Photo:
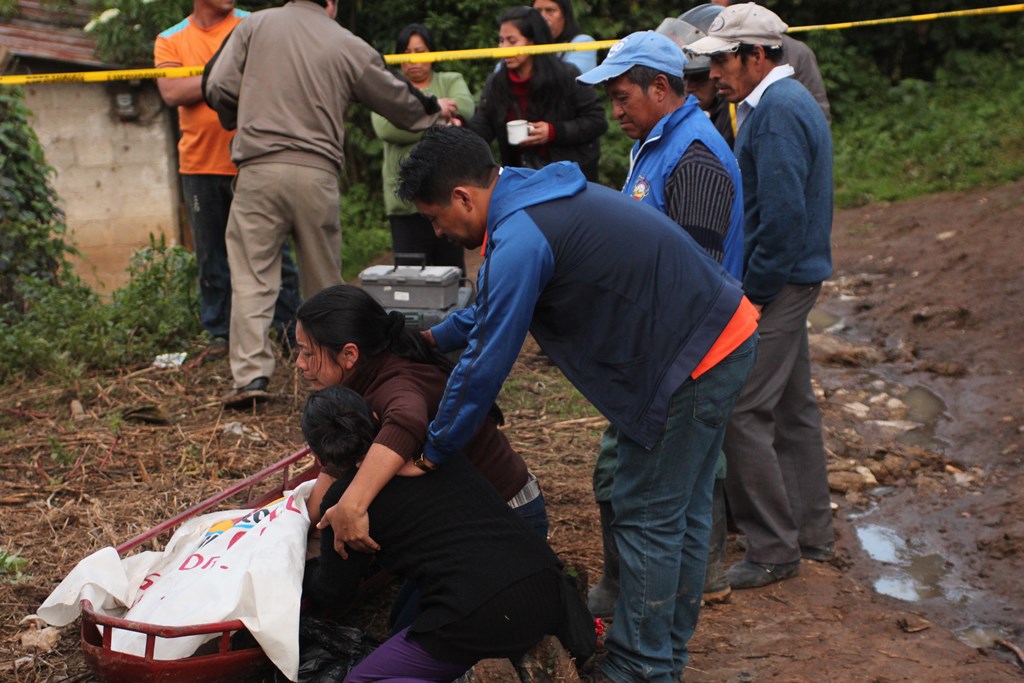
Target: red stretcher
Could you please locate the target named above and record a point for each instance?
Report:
(227, 663)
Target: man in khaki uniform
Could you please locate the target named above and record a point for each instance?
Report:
(284, 79)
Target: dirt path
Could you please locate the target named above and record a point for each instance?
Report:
(921, 312)
(924, 306)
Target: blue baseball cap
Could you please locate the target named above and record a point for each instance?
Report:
(643, 48)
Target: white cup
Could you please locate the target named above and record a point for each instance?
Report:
(518, 131)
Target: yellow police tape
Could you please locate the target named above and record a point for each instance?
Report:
(479, 53)
(1004, 9)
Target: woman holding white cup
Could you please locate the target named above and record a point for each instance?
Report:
(533, 105)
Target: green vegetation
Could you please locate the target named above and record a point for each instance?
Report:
(959, 131)
(545, 392)
(917, 108)
(63, 327)
(32, 243)
(11, 565)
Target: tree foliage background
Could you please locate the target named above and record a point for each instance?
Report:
(917, 107)
(857, 63)
(860, 65)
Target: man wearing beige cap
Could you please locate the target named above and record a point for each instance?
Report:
(777, 483)
(798, 56)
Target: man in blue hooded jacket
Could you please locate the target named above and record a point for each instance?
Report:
(639, 318)
(682, 167)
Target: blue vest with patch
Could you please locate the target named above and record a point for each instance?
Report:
(652, 162)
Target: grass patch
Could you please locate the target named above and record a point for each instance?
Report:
(64, 328)
(539, 390)
(956, 133)
(365, 233)
(11, 565)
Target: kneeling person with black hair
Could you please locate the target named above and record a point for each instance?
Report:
(490, 587)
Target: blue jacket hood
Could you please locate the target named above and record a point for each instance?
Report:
(521, 188)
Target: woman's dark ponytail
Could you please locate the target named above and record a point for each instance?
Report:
(345, 314)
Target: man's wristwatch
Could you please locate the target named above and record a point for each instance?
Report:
(424, 464)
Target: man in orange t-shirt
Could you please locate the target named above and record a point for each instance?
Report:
(207, 171)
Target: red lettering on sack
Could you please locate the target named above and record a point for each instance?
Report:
(149, 581)
(290, 505)
(235, 539)
(185, 565)
(146, 583)
(199, 562)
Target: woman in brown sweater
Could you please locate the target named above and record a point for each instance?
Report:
(345, 337)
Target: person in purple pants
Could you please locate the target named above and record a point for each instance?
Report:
(490, 587)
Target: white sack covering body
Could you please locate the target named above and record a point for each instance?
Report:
(236, 564)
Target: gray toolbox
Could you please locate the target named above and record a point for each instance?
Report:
(425, 295)
(412, 286)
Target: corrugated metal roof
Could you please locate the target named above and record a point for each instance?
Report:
(42, 33)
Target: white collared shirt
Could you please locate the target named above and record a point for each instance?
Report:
(744, 108)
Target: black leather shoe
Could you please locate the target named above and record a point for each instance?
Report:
(818, 553)
(245, 397)
(746, 574)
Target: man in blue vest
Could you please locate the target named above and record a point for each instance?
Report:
(681, 166)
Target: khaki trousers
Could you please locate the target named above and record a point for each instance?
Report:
(272, 202)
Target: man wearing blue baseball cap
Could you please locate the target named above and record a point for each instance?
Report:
(681, 166)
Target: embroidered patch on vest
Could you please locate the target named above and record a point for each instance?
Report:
(641, 189)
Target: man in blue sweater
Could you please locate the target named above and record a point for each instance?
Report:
(639, 318)
(777, 483)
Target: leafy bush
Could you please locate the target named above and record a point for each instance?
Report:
(63, 327)
(960, 131)
(11, 565)
(365, 232)
(125, 29)
(32, 230)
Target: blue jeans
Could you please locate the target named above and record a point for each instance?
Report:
(209, 201)
(662, 503)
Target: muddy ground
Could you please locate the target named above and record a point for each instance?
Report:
(918, 361)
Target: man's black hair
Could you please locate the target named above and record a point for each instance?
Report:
(445, 157)
(644, 76)
(773, 53)
(338, 425)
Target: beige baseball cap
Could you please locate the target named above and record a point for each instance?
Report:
(746, 23)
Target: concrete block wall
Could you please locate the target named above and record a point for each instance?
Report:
(117, 180)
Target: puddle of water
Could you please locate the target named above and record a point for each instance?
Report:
(881, 543)
(924, 407)
(911, 572)
(822, 321)
(981, 636)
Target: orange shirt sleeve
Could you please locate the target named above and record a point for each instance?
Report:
(742, 324)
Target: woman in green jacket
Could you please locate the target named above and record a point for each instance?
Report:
(410, 232)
